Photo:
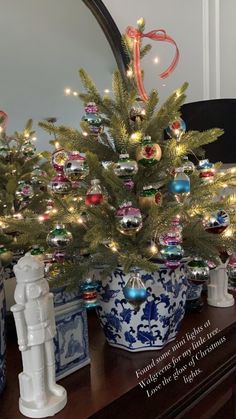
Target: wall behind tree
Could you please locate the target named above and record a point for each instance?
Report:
(205, 33)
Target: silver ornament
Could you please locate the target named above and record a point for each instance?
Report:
(76, 167)
(138, 110)
(125, 167)
(197, 271)
(128, 219)
(24, 191)
(60, 184)
(59, 237)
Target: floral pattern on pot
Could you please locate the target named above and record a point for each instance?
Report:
(159, 318)
(2, 333)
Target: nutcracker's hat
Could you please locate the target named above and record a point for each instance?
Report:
(28, 269)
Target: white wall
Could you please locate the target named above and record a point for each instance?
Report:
(205, 33)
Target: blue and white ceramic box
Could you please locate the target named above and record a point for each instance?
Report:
(71, 340)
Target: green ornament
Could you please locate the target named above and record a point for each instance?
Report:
(5, 255)
(149, 153)
(59, 237)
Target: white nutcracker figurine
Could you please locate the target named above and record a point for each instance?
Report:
(218, 295)
(34, 316)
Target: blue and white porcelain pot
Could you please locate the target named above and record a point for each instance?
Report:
(2, 333)
(158, 320)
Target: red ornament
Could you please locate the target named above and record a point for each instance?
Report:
(95, 194)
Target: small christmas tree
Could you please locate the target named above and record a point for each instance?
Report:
(126, 187)
(23, 174)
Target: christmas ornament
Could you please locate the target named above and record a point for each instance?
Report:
(128, 184)
(150, 196)
(232, 269)
(93, 119)
(60, 184)
(125, 167)
(135, 291)
(4, 152)
(149, 153)
(38, 252)
(49, 204)
(176, 129)
(197, 271)
(24, 191)
(217, 222)
(37, 175)
(3, 120)
(5, 255)
(206, 169)
(156, 35)
(95, 195)
(76, 166)
(176, 221)
(137, 111)
(59, 237)
(128, 219)
(187, 166)
(172, 255)
(28, 149)
(59, 158)
(180, 186)
(89, 293)
(59, 256)
(171, 237)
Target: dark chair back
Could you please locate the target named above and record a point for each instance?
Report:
(217, 113)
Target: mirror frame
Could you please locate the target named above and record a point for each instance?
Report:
(112, 33)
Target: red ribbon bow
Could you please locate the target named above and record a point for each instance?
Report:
(156, 35)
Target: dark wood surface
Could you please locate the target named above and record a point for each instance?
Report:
(108, 388)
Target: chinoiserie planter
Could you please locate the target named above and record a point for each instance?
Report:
(159, 318)
(71, 340)
(2, 333)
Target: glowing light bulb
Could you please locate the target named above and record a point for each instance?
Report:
(85, 134)
(1, 129)
(228, 232)
(75, 93)
(107, 91)
(57, 145)
(129, 73)
(34, 138)
(80, 220)
(140, 21)
(40, 218)
(153, 248)
(67, 91)
(71, 209)
(54, 211)
(156, 60)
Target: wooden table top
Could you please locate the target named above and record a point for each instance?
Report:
(108, 388)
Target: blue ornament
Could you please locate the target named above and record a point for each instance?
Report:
(89, 293)
(172, 255)
(135, 291)
(206, 169)
(180, 186)
(176, 128)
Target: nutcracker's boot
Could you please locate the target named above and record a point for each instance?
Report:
(51, 374)
(38, 376)
(39, 388)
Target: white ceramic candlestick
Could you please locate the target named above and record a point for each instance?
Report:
(218, 295)
(34, 316)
